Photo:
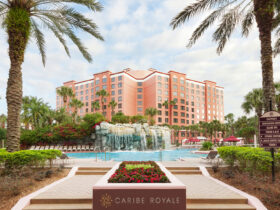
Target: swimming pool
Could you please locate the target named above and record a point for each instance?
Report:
(167, 155)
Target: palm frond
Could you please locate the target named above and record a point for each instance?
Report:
(276, 48)
(247, 22)
(194, 9)
(40, 40)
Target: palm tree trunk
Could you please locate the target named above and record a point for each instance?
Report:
(264, 14)
(18, 32)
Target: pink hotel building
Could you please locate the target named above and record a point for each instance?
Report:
(136, 90)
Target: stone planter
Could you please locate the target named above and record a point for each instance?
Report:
(148, 196)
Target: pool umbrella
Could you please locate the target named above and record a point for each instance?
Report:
(231, 139)
(193, 140)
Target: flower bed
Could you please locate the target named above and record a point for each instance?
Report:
(138, 172)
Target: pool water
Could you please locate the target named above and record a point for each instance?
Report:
(167, 155)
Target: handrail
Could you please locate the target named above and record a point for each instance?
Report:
(105, 151)
(95, 148)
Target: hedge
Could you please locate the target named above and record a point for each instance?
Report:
(27, 158)
(247, 158)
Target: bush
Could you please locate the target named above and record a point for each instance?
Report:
(3, 133)
(27, 158)
(120, 118)
(207, 145)
(249, 159)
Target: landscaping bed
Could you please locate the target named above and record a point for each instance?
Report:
(16, 184)
(138, 172)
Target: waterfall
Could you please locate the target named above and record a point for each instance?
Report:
(166, 137)
(155, 139)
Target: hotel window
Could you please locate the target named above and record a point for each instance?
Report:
(81, 111)
(192, 85)
(166, 93)
(113, 79)
(113, 86)
(197, 86)
(86, 103)
(166, 113)
(192, 109)
(139, 96)
(175, 99)
(175, 93)
(104, 87)
(97, 82)
(182, 81)
(76, 94)
(81, 99)
(187, 97)
(159, 119)
(113, 93)
(92, 84)
(175, 79)
(76, 88)
(104, 79)
(175, 107)
(160, 99)
(182, 108)
(192, 91)
(91, 97)
(86, 97)
(197, 92)
(182, 114)
(166, 120)
(82, 86)
(119, 92)
(139, 83)
(119, 106)
(166, 86)
(187, 109)
(198, 98)
(86, 110)
(188, 123)
(175, 120)
(139, 109)
(192, 116)
(192, 103)
(187, 115)
(119, 98)
(159, 77)
(139, 90)
(159, 92)
(119, 84)
(183, 121)
(82, 92)
(97, 89)
(159, 112)
(86, 91)
(182, 95)
(192, 98)
(175, 87)
(139, 103)
(192, 123)
(182, 88)
(187, 84)
(119, 78)
(166, 79)
(159, 105)
(87, 85)
(112, 99)
(175, 113)
(182, 101)
(187, 103)
(159, 85)
(92, 90)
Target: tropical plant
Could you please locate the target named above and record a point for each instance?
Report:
(229, 118)
(120, 118)
(65, 93)
(61, 116)
(254, 102)
(113, 105)
(23, 19)
(207, 145)
(76, 104)
(151, 112)
(172, 103)
(230, 13)
(95, 105)
(195, 129)
(103, 94)
(3, 120)
(138, 119)
(165, 104)
(176, 129)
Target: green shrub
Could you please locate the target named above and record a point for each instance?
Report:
(207, 145)
(3, 133)
(120, 118)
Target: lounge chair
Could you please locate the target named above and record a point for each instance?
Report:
(65, 148)
(51, 147)
(57, 147)
(211, 156)
(87, 147)
(83, 147)
(32, 147)
(47, 147)
(91, 148)
(74, 148)
(37, 148)
(70, 149)
(60, 147)
(42, 147)
(79, 148)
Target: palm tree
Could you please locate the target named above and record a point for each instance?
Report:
(95, 105)
(113, 105)
(151, 112)
(165, 104)
(61, 116)
(65, 92)
(24, 19)
(3, 119)
(229, 118)
(277, 96)
(171, 103)
(76, 104)
(230, 13)
(103, 94)
(254, 101)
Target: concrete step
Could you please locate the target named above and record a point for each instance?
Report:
(219, 207)
(182, 168)
(61, 201)
(90, 172)
(94, 168)
(59, 207)
(187, 172)
(217, 201)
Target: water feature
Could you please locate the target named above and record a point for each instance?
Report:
(131, 137)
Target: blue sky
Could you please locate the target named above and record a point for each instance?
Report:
(138, 36)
